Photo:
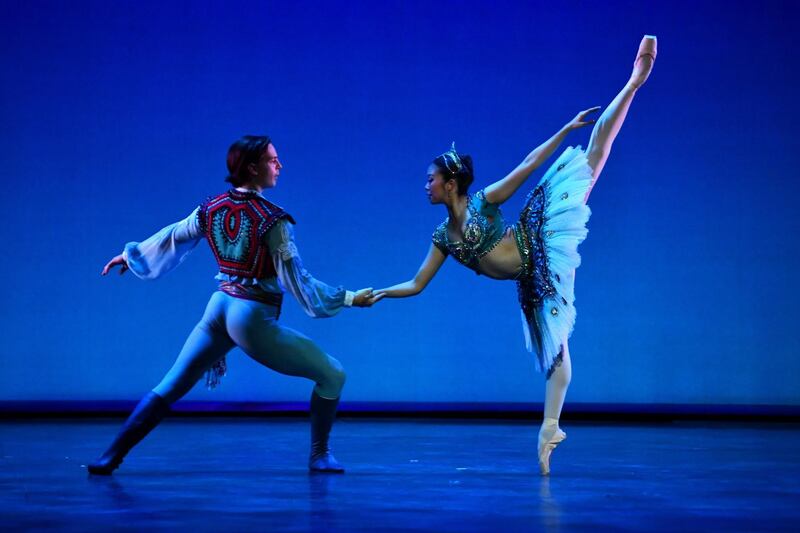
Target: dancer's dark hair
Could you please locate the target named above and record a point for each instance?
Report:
(456, 166)
(242, 153)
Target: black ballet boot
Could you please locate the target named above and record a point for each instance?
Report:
(323, 412)
(147, 414)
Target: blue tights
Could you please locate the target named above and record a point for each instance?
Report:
(252, 326)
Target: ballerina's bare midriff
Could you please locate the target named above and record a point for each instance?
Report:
(503, 261)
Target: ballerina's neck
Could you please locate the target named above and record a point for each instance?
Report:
(458, 211)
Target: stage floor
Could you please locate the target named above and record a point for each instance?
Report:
(249, 474)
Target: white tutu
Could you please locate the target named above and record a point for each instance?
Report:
(551, 226)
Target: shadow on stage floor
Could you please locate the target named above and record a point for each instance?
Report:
(249, 474)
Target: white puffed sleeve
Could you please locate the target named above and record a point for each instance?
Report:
(317, 299)
(159, 254)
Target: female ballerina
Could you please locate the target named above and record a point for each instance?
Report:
(253, 242)
(540, 250)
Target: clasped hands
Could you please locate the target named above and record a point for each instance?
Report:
(366, 297)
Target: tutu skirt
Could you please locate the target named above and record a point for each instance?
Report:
(550, 228)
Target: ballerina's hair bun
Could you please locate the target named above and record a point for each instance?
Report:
(456, 166)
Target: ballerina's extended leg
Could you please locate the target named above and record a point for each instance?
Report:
(610, 121)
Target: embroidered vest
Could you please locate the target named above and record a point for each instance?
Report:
(235, 224)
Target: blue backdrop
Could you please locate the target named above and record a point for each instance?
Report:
(116, 117)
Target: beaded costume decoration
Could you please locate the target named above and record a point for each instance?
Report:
(234, 224)
(483, 232)
(536, 283)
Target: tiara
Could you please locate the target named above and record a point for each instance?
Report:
(451, 159)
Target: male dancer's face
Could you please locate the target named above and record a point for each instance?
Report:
(268, 169)
(434, 187)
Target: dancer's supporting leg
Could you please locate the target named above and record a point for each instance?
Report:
(550, 435)
(207, 343)
(610, 121)
(290, 352)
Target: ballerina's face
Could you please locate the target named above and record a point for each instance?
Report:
(267, 169)
(436, 187)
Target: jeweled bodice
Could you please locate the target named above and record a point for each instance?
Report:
(483, 232)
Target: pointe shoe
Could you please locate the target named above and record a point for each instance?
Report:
(549, 438)
(645, 58)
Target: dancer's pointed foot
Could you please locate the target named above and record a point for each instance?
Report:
(643, 64)
(325, 462)
(550, 436)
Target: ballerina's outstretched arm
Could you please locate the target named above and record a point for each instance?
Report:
(500, 191)
(430, 266)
